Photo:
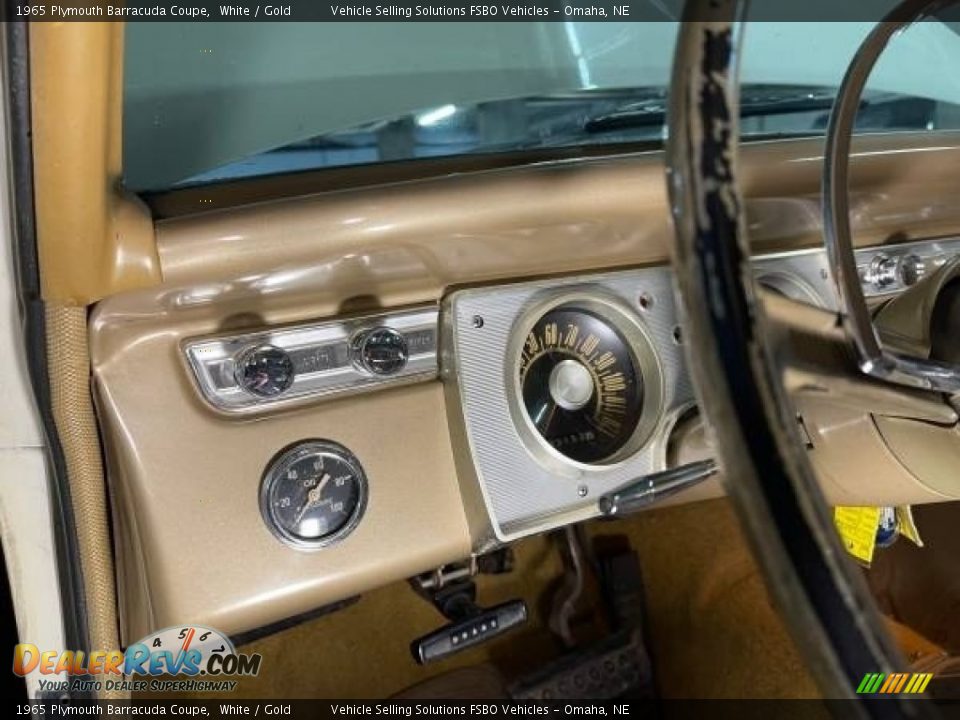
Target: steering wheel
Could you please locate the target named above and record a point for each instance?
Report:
(738, 364)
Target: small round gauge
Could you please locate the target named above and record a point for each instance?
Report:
(581, 384)
(265, 371)
(313, 494)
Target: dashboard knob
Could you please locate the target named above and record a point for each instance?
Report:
(883, 271)
(912, 269)
(265, 370)
(380, 351)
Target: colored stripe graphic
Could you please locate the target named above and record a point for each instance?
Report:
(914, 683)
(870, 683)
(894, 684)
(903, 681)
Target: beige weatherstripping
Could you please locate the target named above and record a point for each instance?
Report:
(68, 366)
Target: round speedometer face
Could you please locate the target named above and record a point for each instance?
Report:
(580, 383)
(313, 493)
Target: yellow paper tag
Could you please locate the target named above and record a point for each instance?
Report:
(858, 530)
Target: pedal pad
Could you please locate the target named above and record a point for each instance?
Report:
(473, 630)
(617, 667)
(622, 583)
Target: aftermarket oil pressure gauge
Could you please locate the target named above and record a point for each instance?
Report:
(313, 494)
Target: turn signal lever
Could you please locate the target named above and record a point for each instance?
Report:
(649, 489)
(470, 624)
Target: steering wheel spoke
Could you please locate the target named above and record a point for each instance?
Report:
(873, 357)
(815, 358)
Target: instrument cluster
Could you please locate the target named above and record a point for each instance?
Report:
(562, 390)
(558, 391)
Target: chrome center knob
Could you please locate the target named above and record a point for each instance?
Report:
(883, 271)
(571, 385)
(913, 269)
(380, 351)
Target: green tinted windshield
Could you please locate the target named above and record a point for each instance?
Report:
(212, 101)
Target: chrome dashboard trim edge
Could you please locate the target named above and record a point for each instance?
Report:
(812, 270)
(322, 356)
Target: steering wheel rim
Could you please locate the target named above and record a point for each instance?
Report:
(770, 480)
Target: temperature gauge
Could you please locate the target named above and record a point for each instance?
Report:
(313, 494)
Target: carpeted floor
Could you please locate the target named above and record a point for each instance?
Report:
(713, 632)
(920, 587)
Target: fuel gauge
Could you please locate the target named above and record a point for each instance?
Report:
(313, 494)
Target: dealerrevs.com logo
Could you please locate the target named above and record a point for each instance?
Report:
(206, 657)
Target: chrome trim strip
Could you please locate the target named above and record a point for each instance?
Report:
(323, 361)
(811, 270)
(326, 369)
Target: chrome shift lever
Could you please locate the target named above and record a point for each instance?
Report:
(649, 489)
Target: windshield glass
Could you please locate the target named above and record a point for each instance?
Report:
(206, 102)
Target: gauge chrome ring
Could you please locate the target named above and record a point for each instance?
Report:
(289, 456)
(642, 351)
(279, 383)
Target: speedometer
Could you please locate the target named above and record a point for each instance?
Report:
(585, 372)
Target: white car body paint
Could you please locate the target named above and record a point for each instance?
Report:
(26, 520)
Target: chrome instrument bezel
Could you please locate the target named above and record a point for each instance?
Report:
(807, 275)
(641, 349)
(241, 359)
(323, 357)
(290, 455)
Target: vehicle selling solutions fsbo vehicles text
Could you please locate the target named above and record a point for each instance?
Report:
(485, 11)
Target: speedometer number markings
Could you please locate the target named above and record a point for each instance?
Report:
(580, 384)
